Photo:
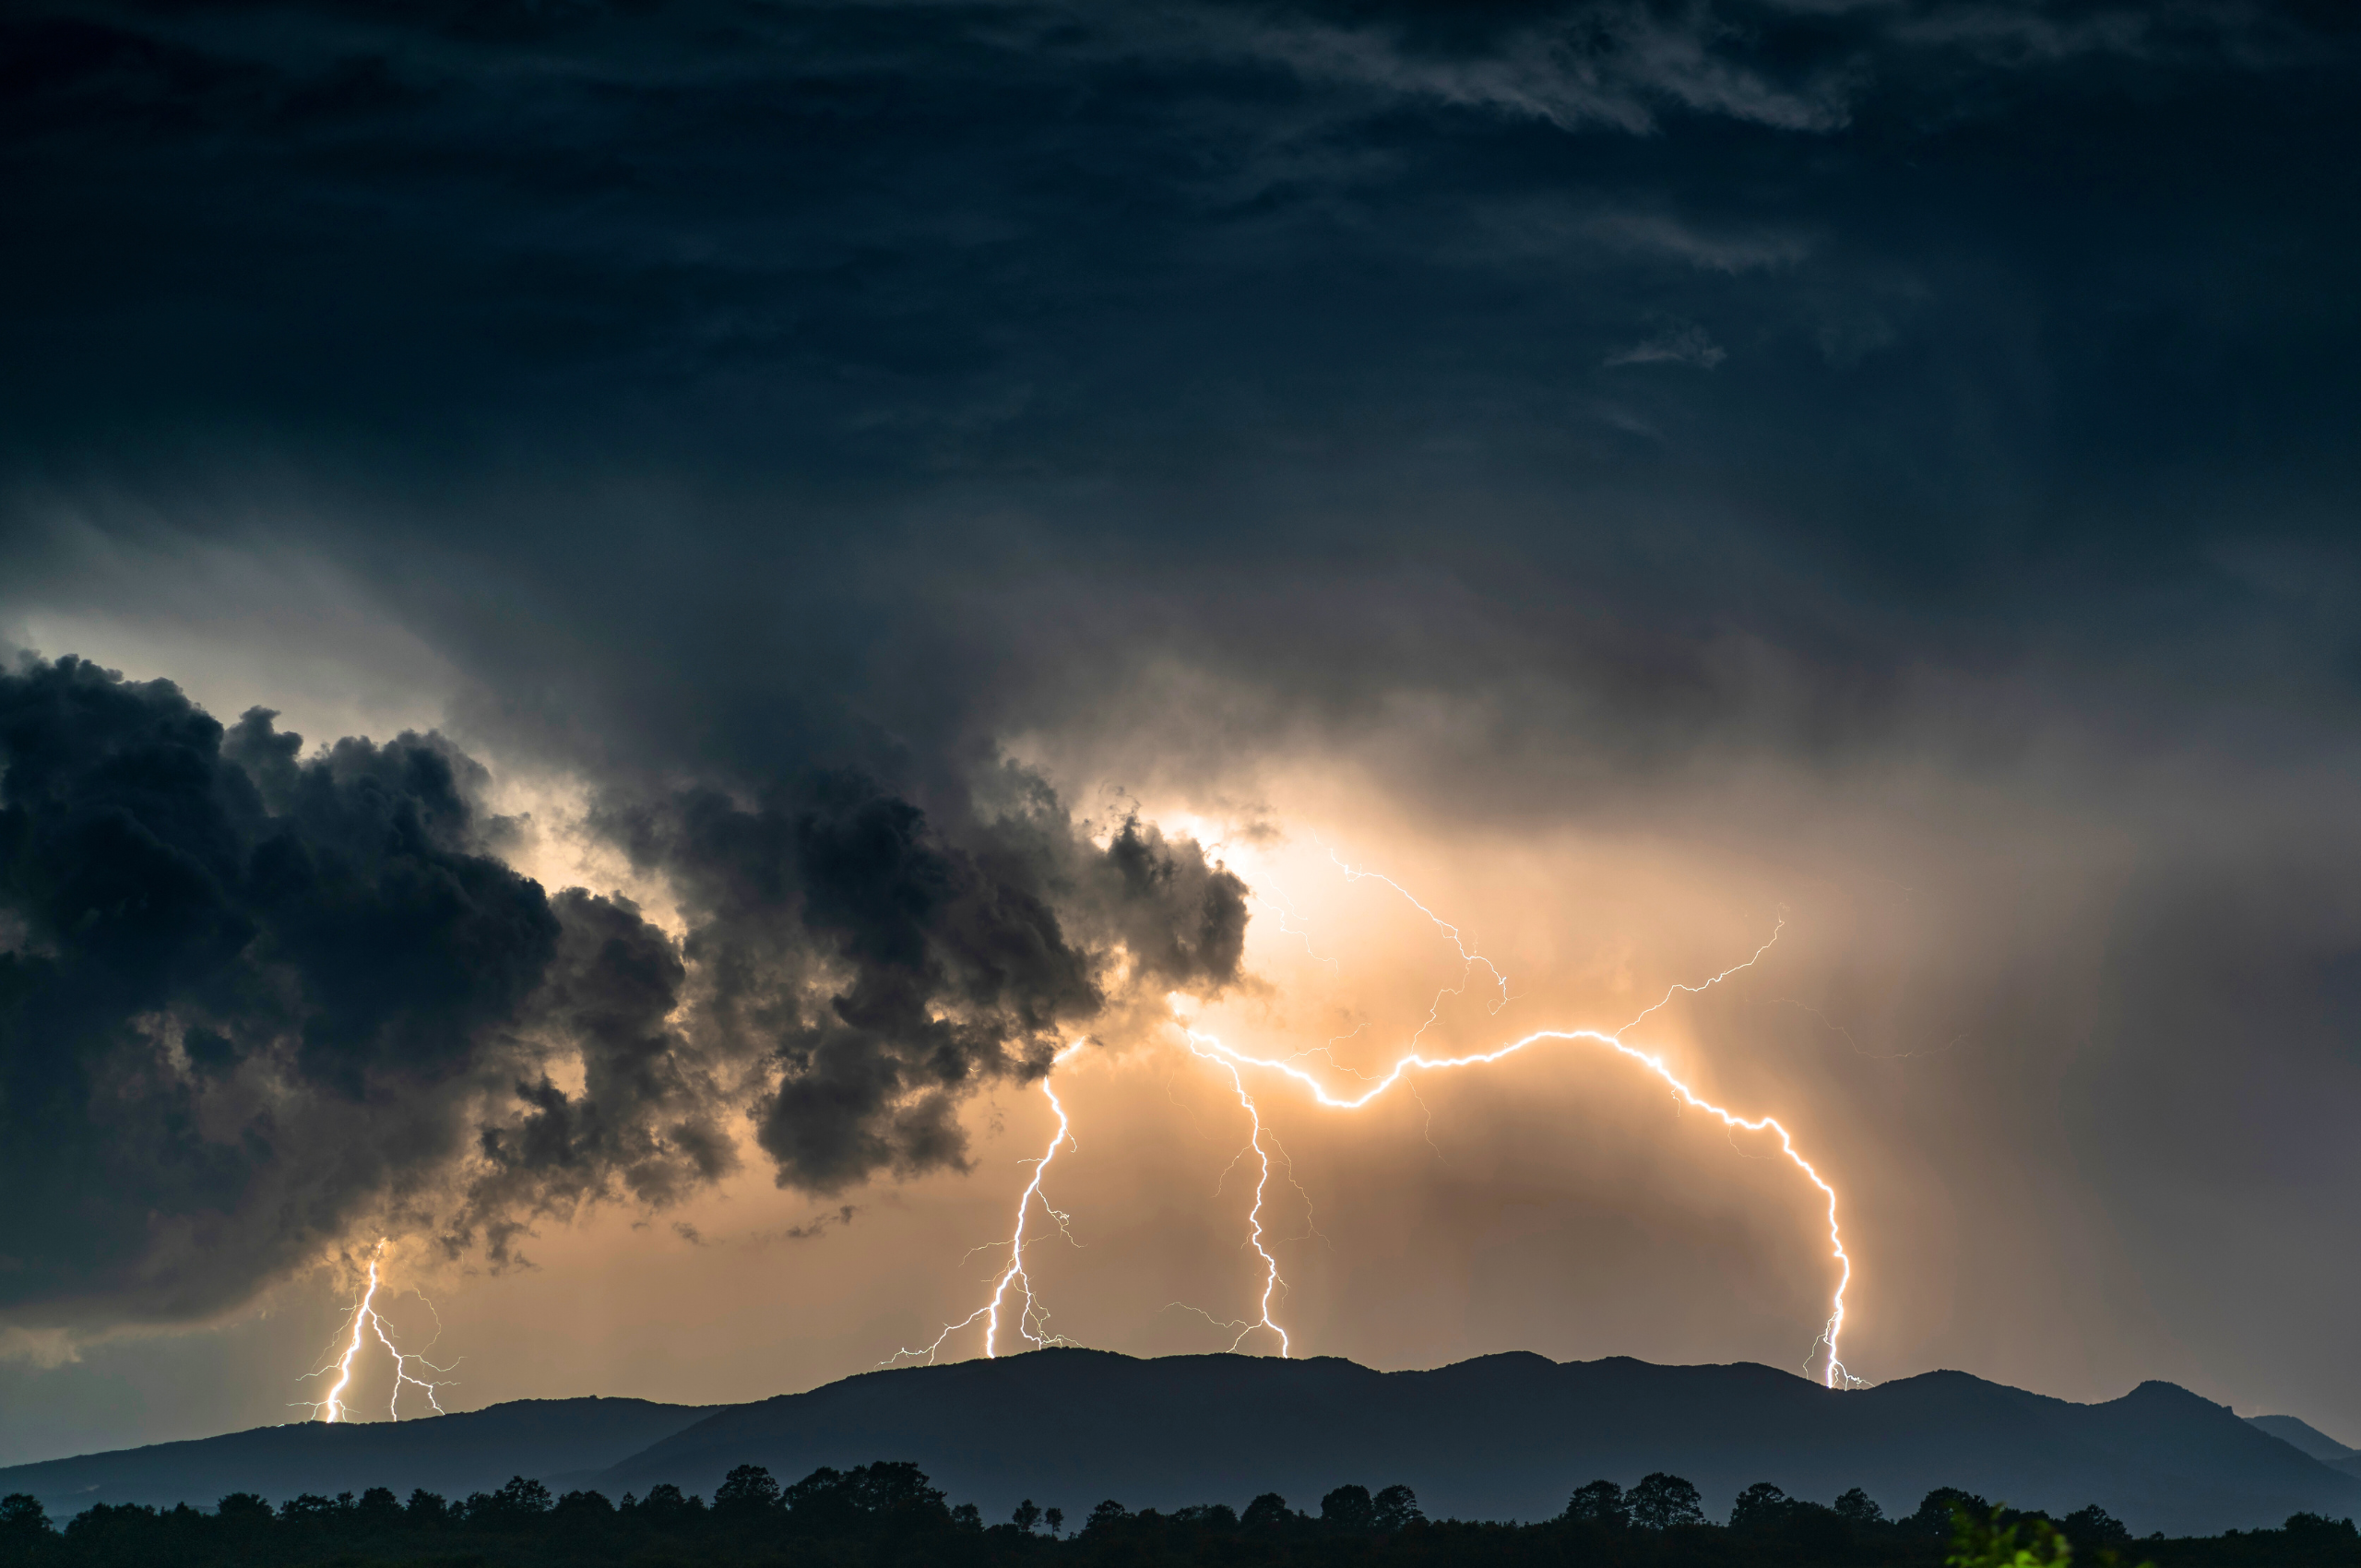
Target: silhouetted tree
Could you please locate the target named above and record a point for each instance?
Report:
(825, 1481)
(1266, 1512)
(1347, 1508)
(1934, 1515)
(1027, 1514)
(2315, 1538)
(1661, 1500)
(516, 1502)
(890, 1516)
(1056, 1519)
(895, 1489)
(1759, 1506)
(1598, 1503)
(24, 1521)
(665, 1504)
(247, 1509)
(830, 1502)
(1395, 1508)
(747, 1491)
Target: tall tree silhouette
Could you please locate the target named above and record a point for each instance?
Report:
(1661, 1500)
(1598, 1503)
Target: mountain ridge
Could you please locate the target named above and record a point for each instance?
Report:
(450, 1453)
(2307, 1437)
(1501, 1436)
(1504, 1436)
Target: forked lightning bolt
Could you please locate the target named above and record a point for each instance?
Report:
(1272, 1283)
(365, 1316)
(1032, 1321)
(1467, 961)
(1834, 1374)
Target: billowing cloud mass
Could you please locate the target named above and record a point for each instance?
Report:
(1891, 462)
(942, 965)
(251, 995)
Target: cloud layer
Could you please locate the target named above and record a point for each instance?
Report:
(251, 998)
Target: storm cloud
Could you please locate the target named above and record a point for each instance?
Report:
(250, 997)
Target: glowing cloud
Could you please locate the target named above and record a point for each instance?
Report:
(1235, 1062)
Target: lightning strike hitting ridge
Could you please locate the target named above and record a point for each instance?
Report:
(1033, 1322)
(1834, 1374)
(1272, 1283)
(365, 1315)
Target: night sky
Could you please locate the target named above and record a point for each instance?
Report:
(616, 619)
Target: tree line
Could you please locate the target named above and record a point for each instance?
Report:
(891, 1513)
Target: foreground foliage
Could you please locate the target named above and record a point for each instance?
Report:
(889, 1514)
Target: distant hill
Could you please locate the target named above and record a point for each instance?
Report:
(453, 1454)
(1502, 1437)
(2308, 1438)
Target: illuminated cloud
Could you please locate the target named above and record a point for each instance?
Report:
(257, 997)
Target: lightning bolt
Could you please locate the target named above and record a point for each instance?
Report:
(1665, 999)
(1272, 1284)
(364, 1316)
(1032, 1321)
(1213, 1049)
(1467, 961)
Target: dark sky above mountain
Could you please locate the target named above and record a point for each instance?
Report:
(905, 503)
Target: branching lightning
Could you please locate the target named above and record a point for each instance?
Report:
(1033, 1320)
(1012, 1306)
(1467, 961)
(1272, 1284)
(1665, 999)
(366, 1318)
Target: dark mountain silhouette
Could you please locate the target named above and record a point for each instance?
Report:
(1504, 1436)
(2306, 1436)
(1500, 1437)
(454, 1455)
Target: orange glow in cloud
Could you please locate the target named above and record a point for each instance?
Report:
(1554, 1213)
(1236, 1062)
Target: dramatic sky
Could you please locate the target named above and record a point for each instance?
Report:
(619, 616)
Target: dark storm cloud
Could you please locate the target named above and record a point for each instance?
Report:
(710, 340)
(650, 1119)
(244, 993)
(893, 969)
(248, 997)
